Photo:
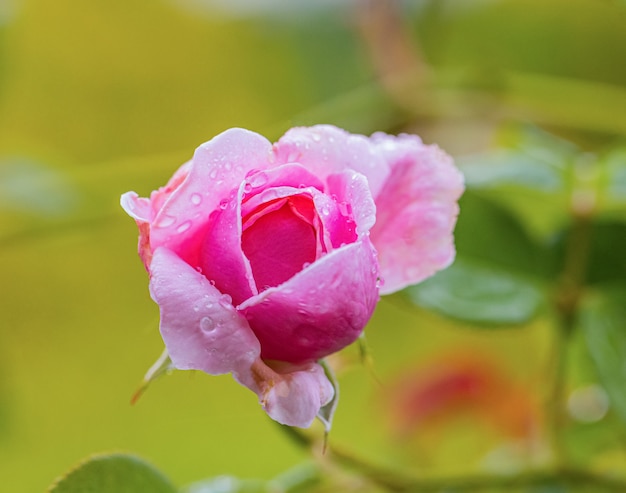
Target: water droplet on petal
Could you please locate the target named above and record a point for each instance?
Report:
(196, 198)
(207, 324)
(258, 180)
(184, 227)
(226, 301)
(317, 137)
(223, 204)
(165, 221)
(213, 174)
(227, 166)
(305, 265)
(247, 188)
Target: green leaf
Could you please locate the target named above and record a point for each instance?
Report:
(302, 478)
(489, 233)
(613, 201)
(479, 294)
(114, 473)
(529, 176)
(603, 322)
(227, 484)
(495, 279)
(606, 262)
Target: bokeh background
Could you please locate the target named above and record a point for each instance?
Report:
(101, 97)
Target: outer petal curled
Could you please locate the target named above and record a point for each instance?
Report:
(217, 168)
(293, 397)
(199, 325)
(416, 210)
(325, 150)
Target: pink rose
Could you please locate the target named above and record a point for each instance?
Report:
(265, 258)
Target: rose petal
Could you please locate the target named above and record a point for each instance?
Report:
(292, 398)
(221, 258)
(415, 211)
(296, 400)
(280, 241)
(200, 327)
(320, 310)
(218, 167)
(354, 195)
(138, 208)
(325, 149)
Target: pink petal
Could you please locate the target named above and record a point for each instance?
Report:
(325, 149)
(138, 208)
(292, 398)
(416, 211)
(200, 327)
(320, 310)
(280, 242)
(218, 167)
(221, 258)
(354, 195)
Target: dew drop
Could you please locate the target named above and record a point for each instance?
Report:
(213, 174)
(317, 137)
(305, 265)
(165, 221)
(344, 209)
(223, 204)
(227, 166)
(184, 227)
(226, 301)
(258, 180)
(247, 188)
(196, 198)
(207, 324)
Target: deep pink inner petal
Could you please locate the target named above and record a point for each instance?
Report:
(279, 239)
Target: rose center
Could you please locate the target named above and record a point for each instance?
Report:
(279, 238)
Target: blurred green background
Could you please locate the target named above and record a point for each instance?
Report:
(101, 97)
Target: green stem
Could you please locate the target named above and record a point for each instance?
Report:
(570, 289)
(398, 481)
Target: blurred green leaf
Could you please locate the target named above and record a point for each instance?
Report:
(299, 479)
(489, 233)
(529, 175)
(510, 168)
(606, 262)
(479, 294)
(613, 200)
(603, 321)
(115, 473)
(494, 280)
(607, 258)
(227, 484)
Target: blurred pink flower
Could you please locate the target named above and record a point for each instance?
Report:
(265, 258)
